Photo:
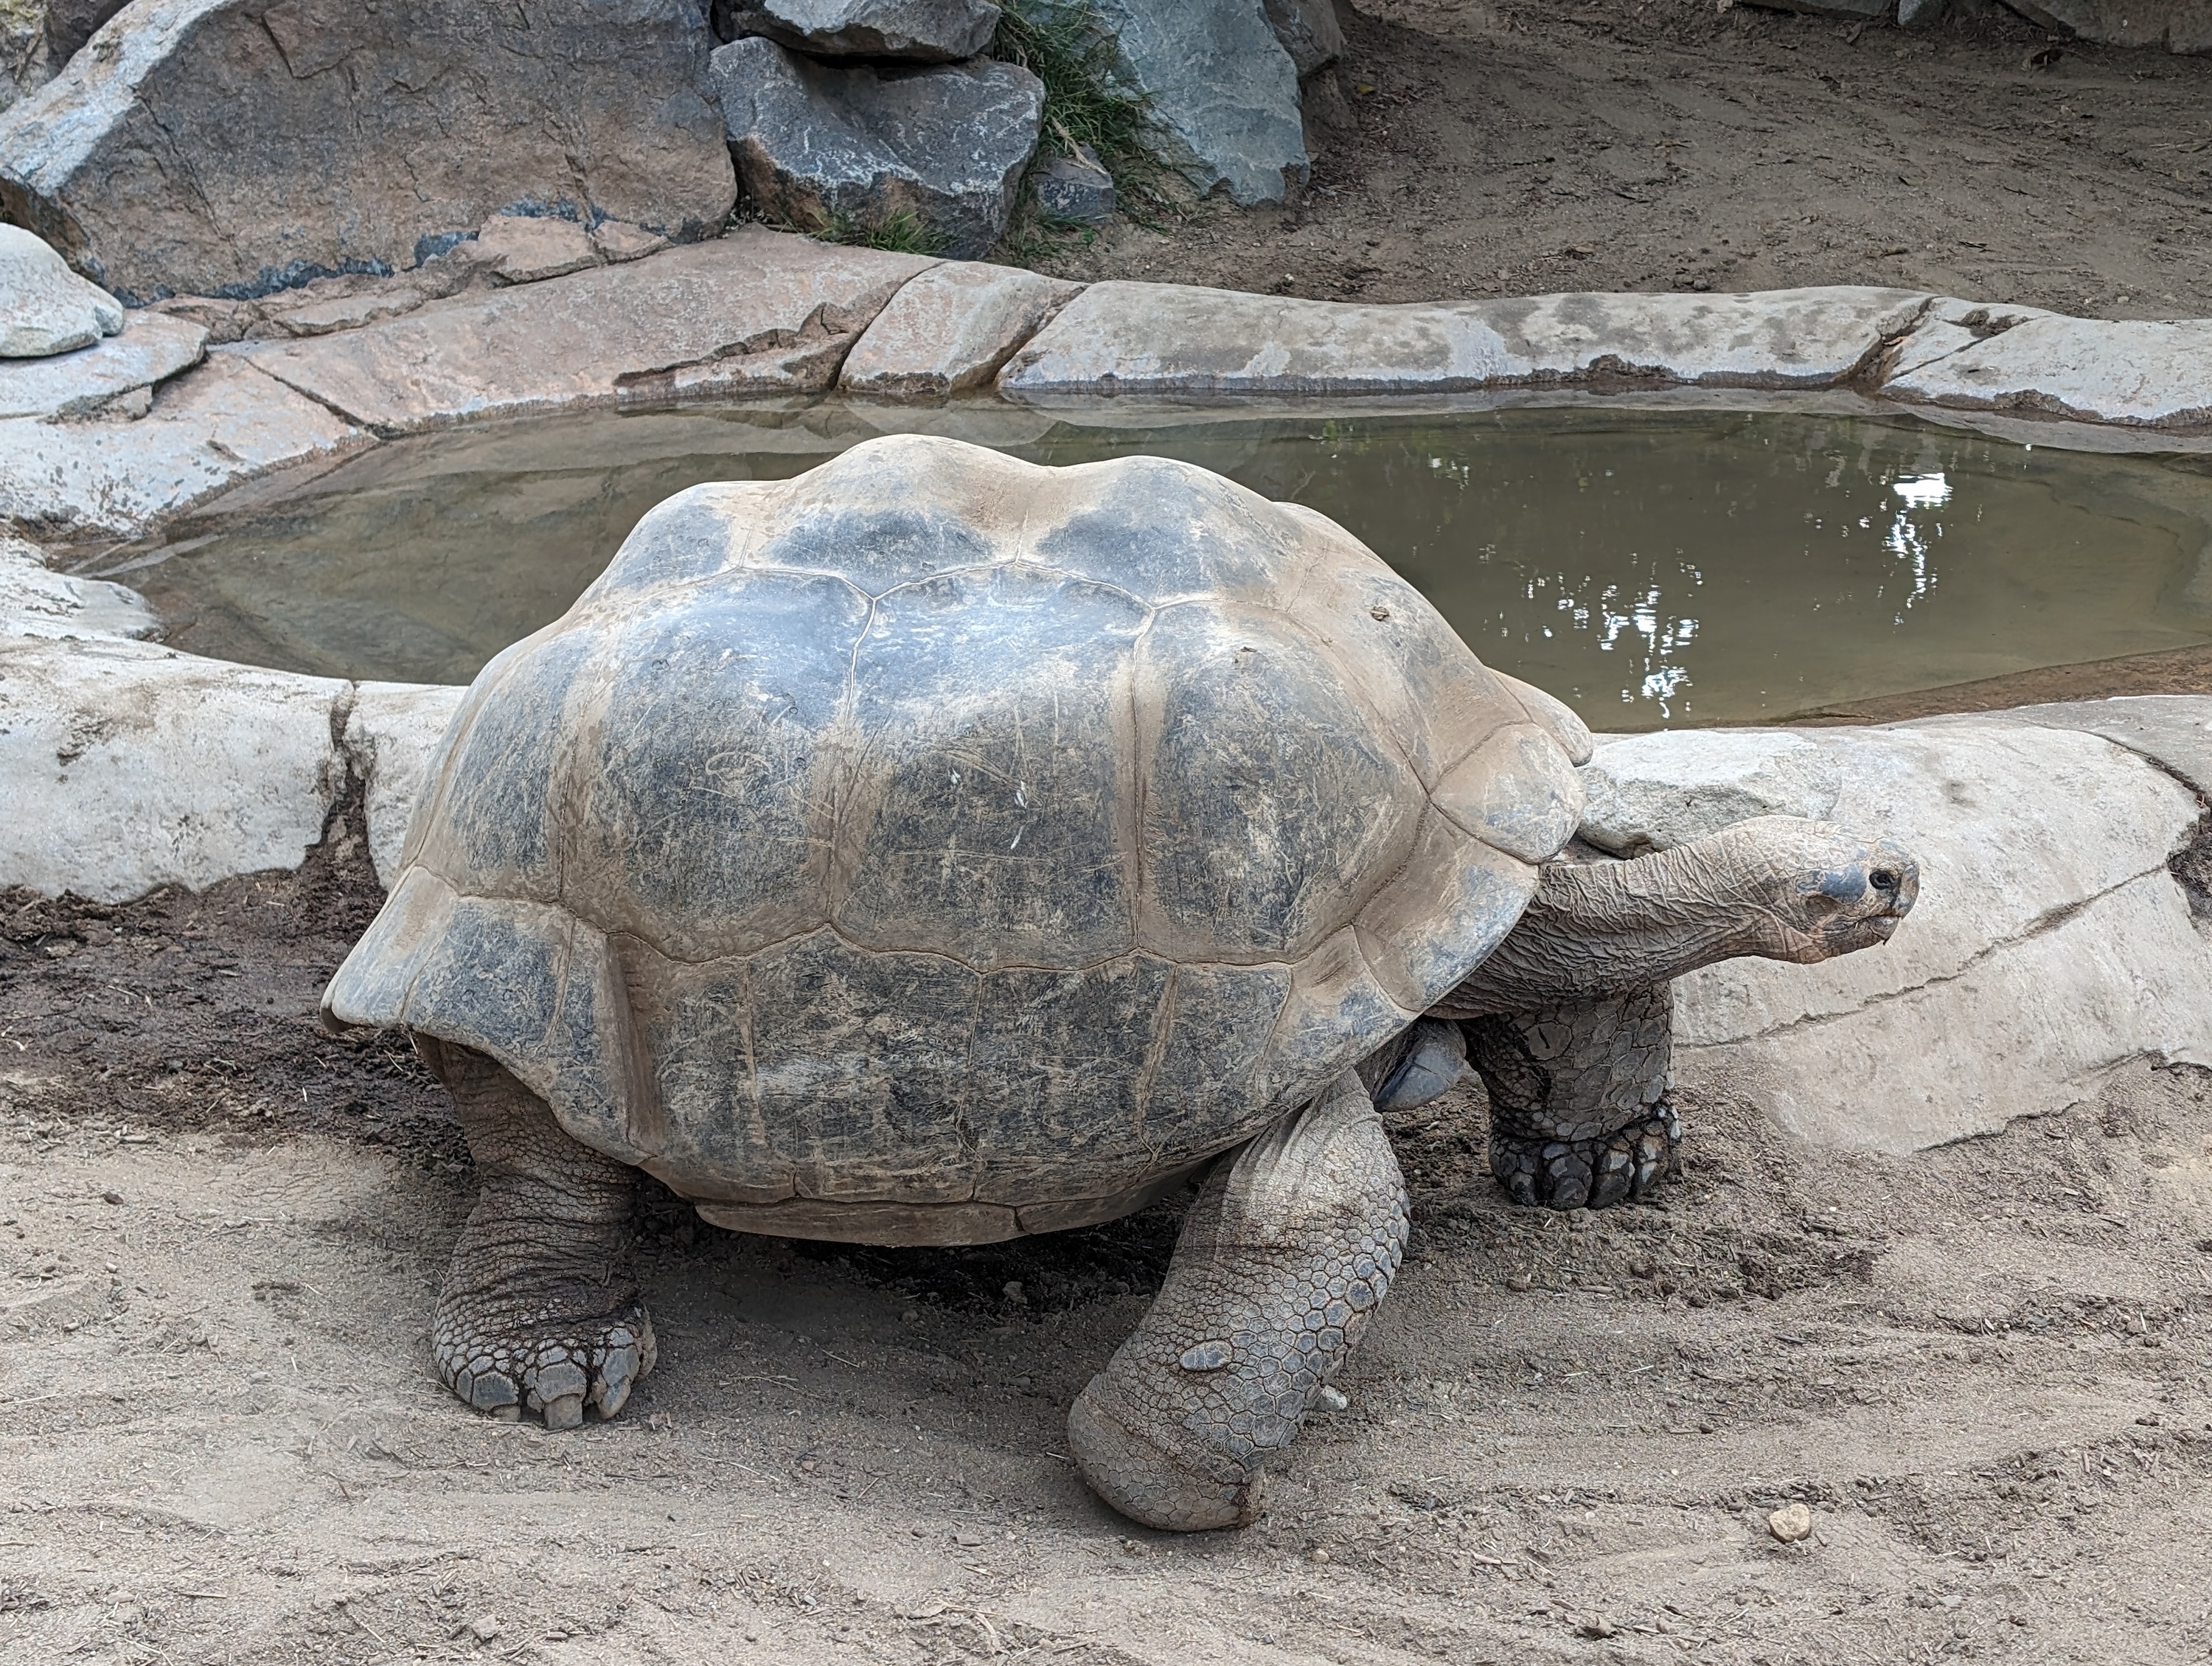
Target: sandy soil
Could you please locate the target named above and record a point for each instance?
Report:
(1489, 147)
(1984, 1371)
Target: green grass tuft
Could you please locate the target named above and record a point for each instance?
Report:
(1063, 44)
(904, 232)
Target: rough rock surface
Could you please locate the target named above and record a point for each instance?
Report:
(2138, 373)
(2181, 26)
(754, 312)
(392, 732)
(129, 767)
(45, 307)
(2049, 931)
(950, 330)
(151, 349)
(1676, 786)
(1224, 93)
(222, 424)
(1309, 31)
(70, 23)
(523, 248)
(323, 136)
(922, 31)
(2173, 730)
(36, 601)
(1165, 338)
(818, 146)
(1076, 188)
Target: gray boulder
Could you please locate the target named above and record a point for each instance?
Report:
(325, 136)
(1223, 91)
(45, 307)
(818, 146)
(1074, 188)
(924, 31)
(1309, 31)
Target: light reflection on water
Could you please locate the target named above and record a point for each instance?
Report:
(1650, 567)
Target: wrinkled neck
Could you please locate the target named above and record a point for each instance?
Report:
(1603, 928)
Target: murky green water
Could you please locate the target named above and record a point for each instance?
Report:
(1651, 567)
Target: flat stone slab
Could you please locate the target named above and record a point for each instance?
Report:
(1160, 338)
(2139, 375)
(36, 601)
(221, 424)
(2174, 730)
(756, 312)
(45, 307)
(2051, 944)
(151, 349)
(950, 330)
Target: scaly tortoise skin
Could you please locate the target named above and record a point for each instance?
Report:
(937, 847)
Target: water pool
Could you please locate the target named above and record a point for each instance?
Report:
(1651, 567)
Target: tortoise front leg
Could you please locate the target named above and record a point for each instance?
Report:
(531, 1315)
(1578, 1111)
(1292, 1245)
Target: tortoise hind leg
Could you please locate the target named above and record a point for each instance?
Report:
(1292, 1244)
(531, 1316)
(1578, 1111)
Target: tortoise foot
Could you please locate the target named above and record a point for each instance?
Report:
(544, 1364)
(1594, 1173)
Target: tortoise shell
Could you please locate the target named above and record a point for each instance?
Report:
(937, 847)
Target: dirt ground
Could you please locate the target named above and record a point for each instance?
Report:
(1985, 1369)
(1507, 147)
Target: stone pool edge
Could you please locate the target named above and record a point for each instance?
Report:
(112, 440)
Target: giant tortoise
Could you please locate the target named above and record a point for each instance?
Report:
(937, 847)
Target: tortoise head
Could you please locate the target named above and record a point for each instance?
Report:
(1810, 891)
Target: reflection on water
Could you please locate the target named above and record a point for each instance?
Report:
(1651, 567)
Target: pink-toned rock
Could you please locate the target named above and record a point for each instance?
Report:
(618, 240)
(525, 248)
(951, 329)
(755, 311)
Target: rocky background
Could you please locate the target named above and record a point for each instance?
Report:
(242, 148)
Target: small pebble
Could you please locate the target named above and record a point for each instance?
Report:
(1317, 1554)
(110, 1197)
(1331, 1400)
(1596, 1625)
(1790, 1523)
(485, 1627)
